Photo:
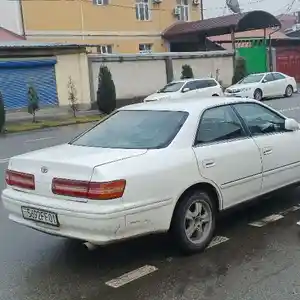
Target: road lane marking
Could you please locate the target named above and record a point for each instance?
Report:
(40, 139)
(289, 109)
(4, 160)
(217, 240)
(266, 220)
(291, 209)
(131, 276)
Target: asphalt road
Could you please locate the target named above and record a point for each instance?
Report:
(249, 263)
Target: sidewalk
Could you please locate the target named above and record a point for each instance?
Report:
(52, 113)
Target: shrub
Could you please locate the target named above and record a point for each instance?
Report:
(187, 72)
(106, 93)
(2, 114)
(240, 70)
(72, 96)
(33, 102)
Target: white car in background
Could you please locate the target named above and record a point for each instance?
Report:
(146, 168)
(263, 85)
(204, 87)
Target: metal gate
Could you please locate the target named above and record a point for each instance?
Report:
(16, 76)
(254, 51)
(288, 61)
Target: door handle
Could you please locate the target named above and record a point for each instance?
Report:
(208, 163)
(267, 151)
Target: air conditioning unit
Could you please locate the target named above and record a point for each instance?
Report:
(196, 2)
(176, 11)
(157, 1)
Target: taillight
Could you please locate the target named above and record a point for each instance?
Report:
(19, 179)
(89, 190)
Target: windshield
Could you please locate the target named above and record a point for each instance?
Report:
(134, 129)
(252, 78)
(171, 87)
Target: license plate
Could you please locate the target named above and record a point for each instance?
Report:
(38, 215)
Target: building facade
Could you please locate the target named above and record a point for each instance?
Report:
(116, 26)
(46, 66)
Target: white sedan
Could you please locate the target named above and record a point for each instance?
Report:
(263, 85)
(187, 88)
(156, 167)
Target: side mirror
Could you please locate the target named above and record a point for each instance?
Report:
(291, 125)
(184, 90)
(264, 81)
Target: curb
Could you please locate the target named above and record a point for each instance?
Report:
(45, 127)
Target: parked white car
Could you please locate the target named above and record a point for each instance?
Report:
(187, 88)
(155, 167)
(263, 85)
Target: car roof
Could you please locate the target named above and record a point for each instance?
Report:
(260, 73)
(192, 79)
(190, 105)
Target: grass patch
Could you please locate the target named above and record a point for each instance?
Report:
(28, 126)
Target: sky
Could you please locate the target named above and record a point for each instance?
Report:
(215, 8)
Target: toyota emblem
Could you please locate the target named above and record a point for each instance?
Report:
(44, 170)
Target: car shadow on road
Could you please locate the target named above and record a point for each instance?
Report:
(158, 248)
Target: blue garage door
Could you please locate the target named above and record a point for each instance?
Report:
(16, 76)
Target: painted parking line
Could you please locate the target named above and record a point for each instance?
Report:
(266, 220)
(4, 160)
(217, 240)
(131, 276)
(289, 210)
(289, 109)
(40, 139)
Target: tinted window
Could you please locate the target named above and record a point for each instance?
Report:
(192, 85)
(134, 130)
(259, 119)
(219, 124)
(278, 76)
(171, 87)
(201, 84)
(269, 78)
(211, 83)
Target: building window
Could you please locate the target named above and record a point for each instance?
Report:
(104, 49)
(145, 48)
(101, 2)
(183, 6)
(142, 10)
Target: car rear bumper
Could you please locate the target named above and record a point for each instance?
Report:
(95, 227)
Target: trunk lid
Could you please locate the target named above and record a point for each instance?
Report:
(66, 161)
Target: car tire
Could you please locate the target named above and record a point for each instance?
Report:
(288, 91)
(215, 95)
(196, 210)
(258, 95)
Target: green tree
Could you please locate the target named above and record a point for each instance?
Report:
(73, 96)
(187, 72)
(33, 102)
(240, 70)
(106, 93)
(2, 114)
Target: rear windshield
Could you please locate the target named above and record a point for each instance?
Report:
(134, 129)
